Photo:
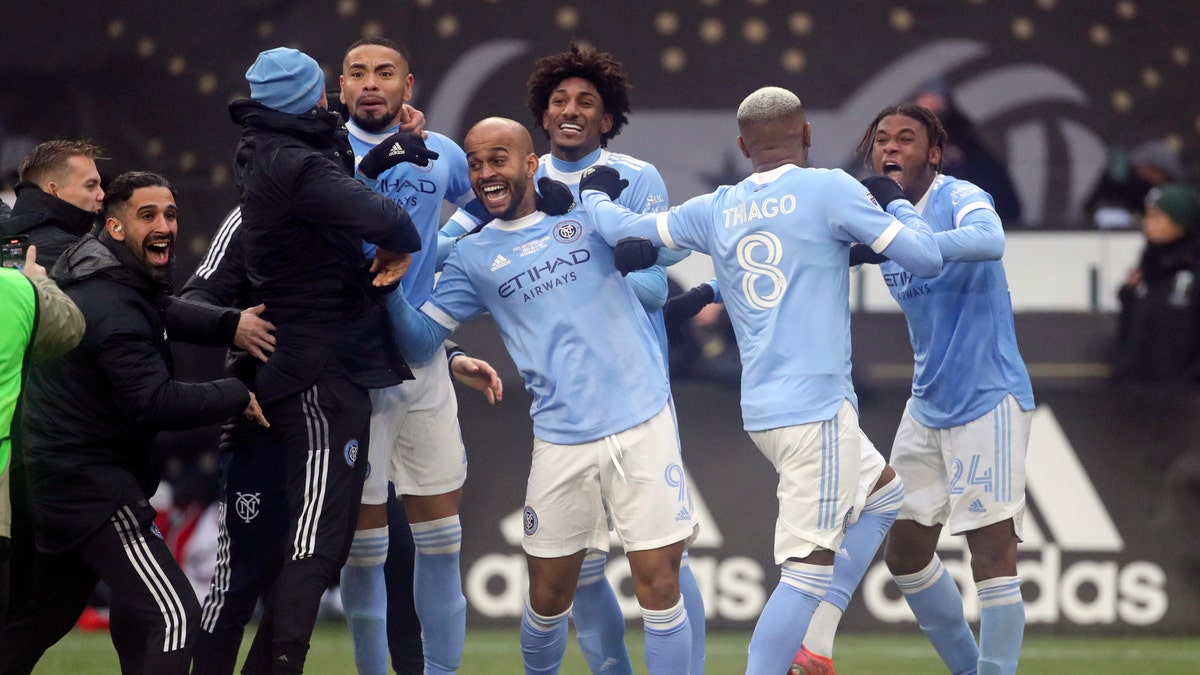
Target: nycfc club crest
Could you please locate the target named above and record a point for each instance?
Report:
(246, 506)
(568, 231)
(530, 521)
(350, 451)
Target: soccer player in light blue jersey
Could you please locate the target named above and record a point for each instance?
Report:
(580, 99)
(603, 428)
(415, 438)
(780, 243)
(962, 440)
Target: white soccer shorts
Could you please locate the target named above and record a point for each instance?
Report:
(415, 439)
(819, 466)
(968, 476)
(636, 472)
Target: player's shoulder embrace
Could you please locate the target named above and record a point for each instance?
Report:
(621, 162)
(956, 190)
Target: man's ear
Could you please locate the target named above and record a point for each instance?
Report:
(742, 147)
(115, 229)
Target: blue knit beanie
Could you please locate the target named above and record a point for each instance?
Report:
(286, 80)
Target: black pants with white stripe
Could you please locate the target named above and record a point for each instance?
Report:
(253, 520)
(323, 432)
(154, 612)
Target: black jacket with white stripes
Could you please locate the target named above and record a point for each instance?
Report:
(90, 417)
(304, 219)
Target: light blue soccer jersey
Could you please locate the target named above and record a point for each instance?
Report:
(780, 243)
(961, 322)
(421, 191)
(646, 193)
(574, 328)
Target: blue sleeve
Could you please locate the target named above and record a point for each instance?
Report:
(418, 337)
(650, 286)
(617, 222)
(914, 247)
(978, 236)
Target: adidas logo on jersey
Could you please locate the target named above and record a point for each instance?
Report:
(499, 262)
(977, 507)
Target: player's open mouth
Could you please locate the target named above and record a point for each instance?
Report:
(571, 128)
(894, 170)
(495, 193)
(158, 253)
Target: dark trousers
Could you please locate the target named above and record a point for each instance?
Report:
(253, 518)
(154, 612)
(403, 626)
(323, 432)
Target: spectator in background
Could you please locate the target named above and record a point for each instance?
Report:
(967, 157)
(1119, 196)
(1158, 334)
(58, 197)
(40, 322)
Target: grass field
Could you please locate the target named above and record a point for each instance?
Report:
(496, 652)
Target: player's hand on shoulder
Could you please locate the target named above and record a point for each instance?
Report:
(884, 189)
(603, 178)
(399, 147)
(554, 197)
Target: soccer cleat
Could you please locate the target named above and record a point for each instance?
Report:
(808, 663)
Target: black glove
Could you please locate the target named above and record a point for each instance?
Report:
(634, 253)
(399, 147)
(884, 189)
(603, 178)
(861, 253)
(555, 197)
(683, 307)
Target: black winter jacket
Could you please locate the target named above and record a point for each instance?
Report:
(90, 417)
(303, 223)
(52, 224)
(1158, 333)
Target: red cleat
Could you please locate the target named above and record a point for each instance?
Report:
(808, 663)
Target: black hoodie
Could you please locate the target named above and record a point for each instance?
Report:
(90, 417)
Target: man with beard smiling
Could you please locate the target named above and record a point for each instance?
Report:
(604, 433)
(90, 420)
(415, 439)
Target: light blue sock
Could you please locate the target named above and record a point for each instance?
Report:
(437, 593)
(937, 603)
(784, 620)
(858, 550)
(668, 640)
(364, 597)
(543, 641)
(693, 600)
(1001, 625)
(599, 623)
